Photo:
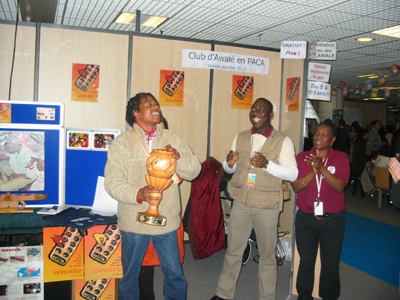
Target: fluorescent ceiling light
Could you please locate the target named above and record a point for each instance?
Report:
(146, 20)
(377, 98)
(125, 18)
(365, 39)
(371, 76)
(391, 31)
(154, 21)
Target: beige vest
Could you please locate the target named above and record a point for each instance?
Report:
(267, 192)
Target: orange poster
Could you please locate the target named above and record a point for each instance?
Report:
(242, 91)
(85, 82)
(292, 93)
(171, 88)
(63, 254)
(5, 113)
(103, 252)
(101, 289)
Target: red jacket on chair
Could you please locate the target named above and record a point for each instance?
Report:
(205, 224)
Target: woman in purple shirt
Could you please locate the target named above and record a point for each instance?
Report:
(323, 175)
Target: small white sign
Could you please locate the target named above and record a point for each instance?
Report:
(319, 72)
(319, 91)
(291, 49)
(322, 51)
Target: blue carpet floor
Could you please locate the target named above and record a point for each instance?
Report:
(372, 247)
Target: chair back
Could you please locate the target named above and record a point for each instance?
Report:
(382, 178)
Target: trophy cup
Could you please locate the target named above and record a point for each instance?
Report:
(161, 166)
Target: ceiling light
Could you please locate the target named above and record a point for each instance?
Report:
(125, 18)
(154, 21)
(391, 31)
(371, 76)
(365, 39)
(377, 98)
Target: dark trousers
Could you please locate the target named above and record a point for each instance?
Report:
(146, 283)
(328, 233)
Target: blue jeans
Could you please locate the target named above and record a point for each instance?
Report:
(134, 247)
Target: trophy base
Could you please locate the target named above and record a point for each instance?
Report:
(151, 220)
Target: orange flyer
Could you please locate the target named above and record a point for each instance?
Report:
(101, 289)
(103, 252)
(242, 91)
(292, 93)
(63, 254)
(85, 82)
(5, 113)
(171, 87)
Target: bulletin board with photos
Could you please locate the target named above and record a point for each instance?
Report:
(32, 148)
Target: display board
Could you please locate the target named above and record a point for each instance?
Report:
(32, 150)
(86, 157)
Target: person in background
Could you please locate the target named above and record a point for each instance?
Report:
(394, 169)
(125, 181)
(359, 155)
(342, 142)
(260, 158)
(382, 159)
(374, 141)
(323, 174)
(389, 134)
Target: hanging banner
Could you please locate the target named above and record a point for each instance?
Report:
(224, 61)
(382, 79)
(242, 91)
(374, 93)
(319, 72)
(295, 50)
(85, 82)
(322, 51)
(310, 112)
(318, 91)
(292, 94)
(171, 88)
(387, 93)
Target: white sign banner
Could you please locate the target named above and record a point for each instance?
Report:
(224, 61)
(319, 72)
(323, 51)
(310, 112)
(319, 91)
(294, 50)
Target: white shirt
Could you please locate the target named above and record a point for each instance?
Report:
(287, 167)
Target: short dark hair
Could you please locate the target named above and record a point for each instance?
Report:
(331, 127)
(373, 123)
(342, 122)
(133, 105)
(268, 102)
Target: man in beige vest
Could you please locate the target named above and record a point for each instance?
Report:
(260, 159)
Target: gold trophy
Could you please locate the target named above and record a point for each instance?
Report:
(161, 166)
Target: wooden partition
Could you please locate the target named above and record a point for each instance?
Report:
(60, 49)
(24, 62)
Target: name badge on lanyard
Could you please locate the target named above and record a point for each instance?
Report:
(318, 204)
